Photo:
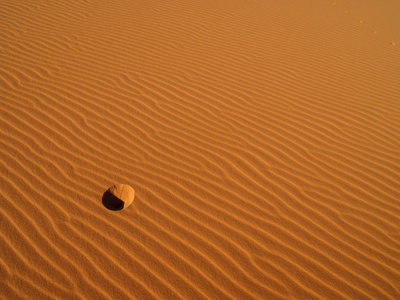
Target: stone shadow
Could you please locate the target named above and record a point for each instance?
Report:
(112, 202)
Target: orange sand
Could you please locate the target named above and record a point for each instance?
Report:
(262, 139)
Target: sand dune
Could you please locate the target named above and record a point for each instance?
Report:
(262, 139)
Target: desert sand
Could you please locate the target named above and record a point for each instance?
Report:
(261, 138)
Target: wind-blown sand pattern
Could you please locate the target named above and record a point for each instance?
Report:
(262, 139)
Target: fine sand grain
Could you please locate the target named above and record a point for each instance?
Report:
(261, 137)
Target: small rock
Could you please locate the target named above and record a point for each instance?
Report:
(118, 197)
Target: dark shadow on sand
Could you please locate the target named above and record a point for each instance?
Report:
(112, 202)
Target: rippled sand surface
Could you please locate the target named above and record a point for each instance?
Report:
(261, 138)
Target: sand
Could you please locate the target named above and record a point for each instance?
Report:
(262, 139)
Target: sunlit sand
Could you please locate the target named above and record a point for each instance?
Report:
(260, 141)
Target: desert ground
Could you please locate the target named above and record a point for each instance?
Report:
(259, 141)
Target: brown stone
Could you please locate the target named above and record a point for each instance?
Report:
(118, 197)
